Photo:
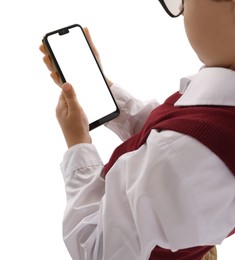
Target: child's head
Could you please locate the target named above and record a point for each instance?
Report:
(210, 27)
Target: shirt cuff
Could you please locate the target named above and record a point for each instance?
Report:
(80, 156)
(120, 94)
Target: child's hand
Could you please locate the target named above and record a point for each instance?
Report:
(47, 60)
(72, 118)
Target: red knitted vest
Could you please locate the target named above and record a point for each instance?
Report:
(213, 126)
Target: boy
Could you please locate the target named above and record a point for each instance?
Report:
(168, 191)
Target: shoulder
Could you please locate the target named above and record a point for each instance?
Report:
(175, 184)
(186, 185)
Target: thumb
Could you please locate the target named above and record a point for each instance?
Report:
(69, 95)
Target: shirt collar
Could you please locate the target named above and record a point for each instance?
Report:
(211, 86)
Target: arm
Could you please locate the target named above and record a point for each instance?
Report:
(148, 198)
(84, 190)
(133, 113)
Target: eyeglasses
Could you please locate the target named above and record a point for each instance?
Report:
(173, 7)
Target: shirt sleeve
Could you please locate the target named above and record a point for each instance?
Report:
(171, 192)
(82, 168)
(133, 113)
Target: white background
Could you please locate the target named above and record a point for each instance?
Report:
(142, 49)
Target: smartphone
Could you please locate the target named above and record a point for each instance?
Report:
(76, 63)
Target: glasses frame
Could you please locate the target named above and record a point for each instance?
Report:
(162, 2)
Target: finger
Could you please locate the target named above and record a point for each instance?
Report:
(61, 104)
(87, 33)
(56, 78)
(48, 62)
(68, 90)
(43, 49)
(70, 96)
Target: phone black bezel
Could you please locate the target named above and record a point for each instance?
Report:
(63, 31)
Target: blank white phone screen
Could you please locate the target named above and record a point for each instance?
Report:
(79, 68)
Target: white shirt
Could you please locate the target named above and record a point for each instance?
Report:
(172, 192)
